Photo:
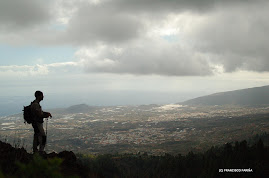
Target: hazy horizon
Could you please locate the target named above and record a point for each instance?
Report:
(14, 104)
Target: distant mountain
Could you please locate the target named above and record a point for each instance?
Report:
(248, 97)
(80, 108)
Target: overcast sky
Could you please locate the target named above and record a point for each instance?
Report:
(132, 51)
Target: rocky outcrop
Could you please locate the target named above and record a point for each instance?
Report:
(10, 156)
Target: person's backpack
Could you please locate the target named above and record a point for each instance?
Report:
(27, 114)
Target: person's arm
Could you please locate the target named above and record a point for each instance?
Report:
(46, 115)
(38, 111)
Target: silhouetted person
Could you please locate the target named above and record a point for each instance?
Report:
(38, 115)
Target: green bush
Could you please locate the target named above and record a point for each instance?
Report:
(1, 174)
(40, 167)
(102, 165)
(230, 155)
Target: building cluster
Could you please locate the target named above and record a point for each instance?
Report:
(134, 128)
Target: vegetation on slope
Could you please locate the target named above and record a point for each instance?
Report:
(237, 155)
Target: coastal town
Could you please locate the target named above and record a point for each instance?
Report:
(154, 129)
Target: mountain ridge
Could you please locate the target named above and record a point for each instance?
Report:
(247, 97)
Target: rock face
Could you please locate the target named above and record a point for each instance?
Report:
(68, 156)
(10, 156)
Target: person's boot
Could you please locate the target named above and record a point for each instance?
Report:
(41, 150)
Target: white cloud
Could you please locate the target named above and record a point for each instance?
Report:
(22, 71)
(36, 70)
(235, 36)
(158, 58)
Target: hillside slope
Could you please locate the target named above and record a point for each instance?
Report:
(248, 97)
(248, 161)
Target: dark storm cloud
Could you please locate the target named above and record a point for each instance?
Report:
(171, 6)
(233, 32)
(102, 23)
(228, 33)
(20, 14)
(123, 20)
(237, 37)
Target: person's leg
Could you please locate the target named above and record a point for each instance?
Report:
(35, 143)
(41, 137)
(35, 140)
